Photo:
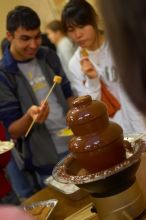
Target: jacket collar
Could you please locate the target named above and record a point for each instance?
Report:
(10, 64)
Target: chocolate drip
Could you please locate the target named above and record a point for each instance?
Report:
(97, 143)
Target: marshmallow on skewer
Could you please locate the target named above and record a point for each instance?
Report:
(83, 52)
(57, 79)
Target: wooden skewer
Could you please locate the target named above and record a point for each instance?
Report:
(32, 123)
(51, 89)
(57, 80)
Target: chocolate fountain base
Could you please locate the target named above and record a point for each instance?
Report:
(128, 204)
(115, 193)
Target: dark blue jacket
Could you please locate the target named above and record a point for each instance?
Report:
(16, 96)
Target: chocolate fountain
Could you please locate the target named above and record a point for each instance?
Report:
(102, 162)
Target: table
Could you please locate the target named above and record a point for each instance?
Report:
(66, 206)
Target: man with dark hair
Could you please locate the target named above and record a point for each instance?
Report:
(26, 74)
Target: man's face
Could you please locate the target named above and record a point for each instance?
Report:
(24, 43)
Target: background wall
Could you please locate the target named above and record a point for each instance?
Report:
(46, 9)
(41, 6)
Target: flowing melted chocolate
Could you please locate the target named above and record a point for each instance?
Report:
(69, 169)
(97, 143)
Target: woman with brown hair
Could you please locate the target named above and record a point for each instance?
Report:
(93, 64)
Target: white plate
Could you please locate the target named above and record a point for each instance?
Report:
(6, 146)
(61, 187)
(65, 132)
(70, 190)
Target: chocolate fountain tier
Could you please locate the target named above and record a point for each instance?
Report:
(97, 143)
(106, 182)
(87, 116)
(96, 152)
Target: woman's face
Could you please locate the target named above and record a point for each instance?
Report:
(84, 36)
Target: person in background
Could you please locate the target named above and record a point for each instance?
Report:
(27, 71)
(46, 42)
(125, 23)
(80, 22)
(65, 47)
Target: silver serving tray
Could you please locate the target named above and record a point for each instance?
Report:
(48, 203)
(60, 171)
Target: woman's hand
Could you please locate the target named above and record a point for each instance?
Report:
(88, 68)
(39, 113)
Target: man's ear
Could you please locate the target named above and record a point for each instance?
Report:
(9, 36)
